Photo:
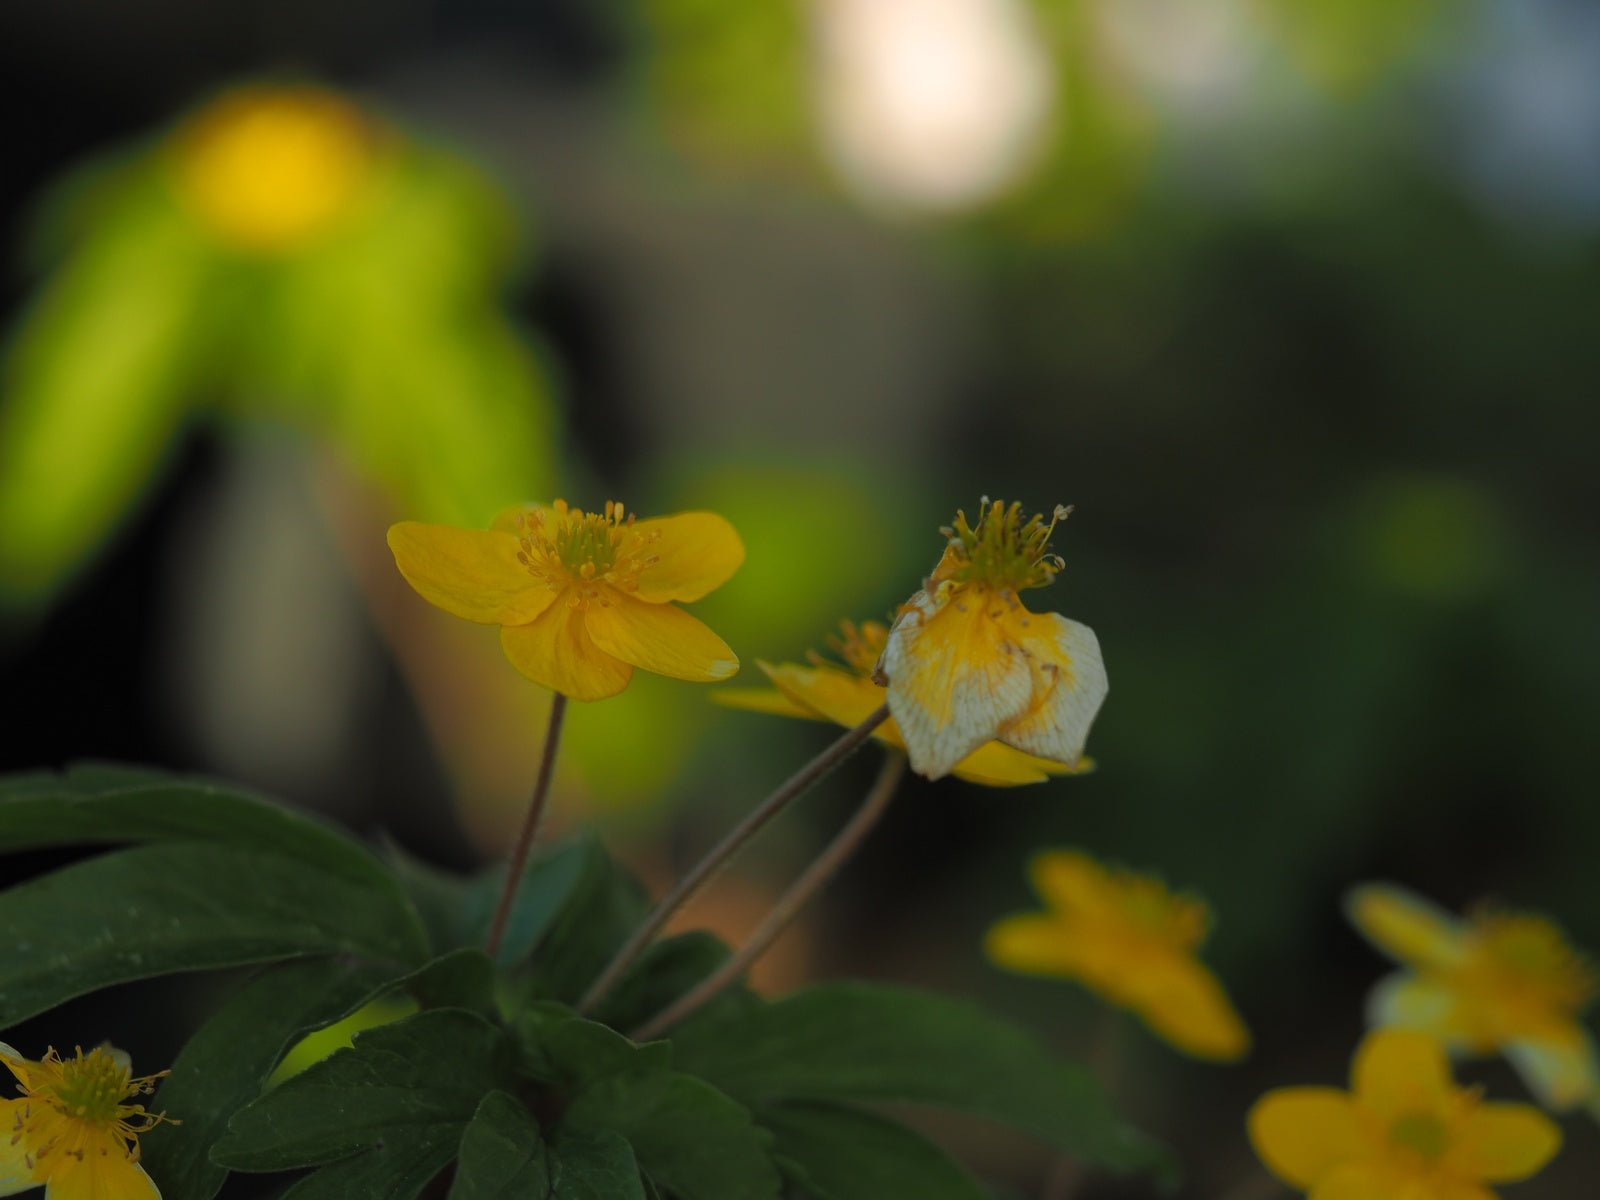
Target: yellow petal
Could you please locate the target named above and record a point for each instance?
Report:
(1183, 1002)
(1069, 686)
(695, 553)
(1404, 926)
(994, 765)
(1303, 1133)
(1070, 881)
(509, 520)
(955, 676)
(15, 1174)
(660, 638)
(1502, 1143)
(764, 700)
(1032, 943)
(1400, 1070)
(108, 1176)
(841, 697)
(1559, 1066)
(472, 573)
(556, 650)
(1371, 1181)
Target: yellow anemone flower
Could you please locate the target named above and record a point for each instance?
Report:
(1498, 982)
(69, 1130)
(966, 663)
(1125, 936)
(1403, 1129)
(582, 598)
(269, 169)
(845, 694)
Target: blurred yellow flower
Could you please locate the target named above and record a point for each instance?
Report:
(70, 1131)
(846, 695)
(1403, 1130)
(1497, 982)
(1127, 937)
(269, 168)
(582, 598)
(966, 663)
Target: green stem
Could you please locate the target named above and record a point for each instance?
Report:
(703, 871)
(815, 877)
(530, 825)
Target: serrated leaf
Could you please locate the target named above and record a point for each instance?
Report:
(569, 1050)
(103, 804)
(459, 979)
(869, 1042)
(152, 910)
(224, 1064)
(690, 1138)
(842, 1153)
(401, 1081)
(502, 1155)
(595, 1165)
(394, 1169)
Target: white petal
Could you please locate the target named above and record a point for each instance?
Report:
(1068, 669)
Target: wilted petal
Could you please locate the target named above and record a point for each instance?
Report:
(1302, 1134)
(1559, 1067)
(471, 573)
(556, 650)
(695, 553)
(1069, 685)
(659, 638)
(1416, 1002)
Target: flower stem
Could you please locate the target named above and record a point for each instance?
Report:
(530, 825)
(703, 871)
(812, 880)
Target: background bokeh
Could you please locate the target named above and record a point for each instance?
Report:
(1295, 300)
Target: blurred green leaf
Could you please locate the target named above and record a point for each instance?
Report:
(593, 1166)
(691, 1139)
(567, 1049)
(94, 383)
(602, 909)
(869, 1042)
(841, 1153)
(224, 1064)
(462, 978)
(152, 910)
(502, 1155)
(416, 1082)
(664, 972)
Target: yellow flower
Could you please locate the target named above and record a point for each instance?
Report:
(1131, 940)
(583, 598)
(1403, 1130)
(71, 1131)
(846, 695)
(270, 168)
(966, 663)
(1497, 982)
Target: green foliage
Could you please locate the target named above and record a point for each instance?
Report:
(495, 1083)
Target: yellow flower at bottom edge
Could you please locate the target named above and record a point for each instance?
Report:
(1403, 1130)
(70, 1130)
(846, 695)
(966, 663)
(1498, 982)
(582, 598)
(1127, 937)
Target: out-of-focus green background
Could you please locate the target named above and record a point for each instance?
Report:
(1297, 302)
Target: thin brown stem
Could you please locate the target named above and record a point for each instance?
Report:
(530, 825)
(812, 880)
(703, 871)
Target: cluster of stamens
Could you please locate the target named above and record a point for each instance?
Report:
(1532, 951)
(570, 550)
(89, 1089)
(1175, 918)
(1002, 550)
(859, 647)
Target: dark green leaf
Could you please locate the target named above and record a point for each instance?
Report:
(152, 910)
(459, 979)
(417, 1078)
(665, 971)
(844, 1153)
(593, 1166)
(105, 804)
(602, 909)
(690, 1138)
(856, 1041)
(225, 1063)
(502, 1155)
(568, 1050)
(396, 1168)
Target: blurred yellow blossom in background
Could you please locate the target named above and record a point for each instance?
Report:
(70, 1131)
(1128, 938)
(965, 662)
(1403, 1129)
(1497, 982)
(845, 694)
(582, 598)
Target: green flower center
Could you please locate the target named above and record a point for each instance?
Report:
(1003, 550)
(92, 1087)
(1422, 1132)
(567, 545)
